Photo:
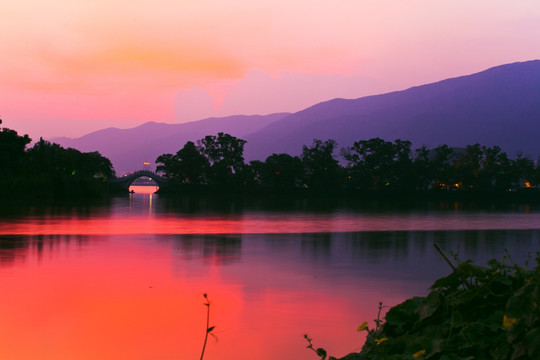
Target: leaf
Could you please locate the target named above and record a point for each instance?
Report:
(404, 313)
(210, 328)
(519, 305)
(363, 326)
(532, 338)
(508, 322)
(450, 281)
(429, 305)
(321, 352)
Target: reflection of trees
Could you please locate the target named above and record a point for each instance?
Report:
(218, 249)
(393, 254)
(17, 248)
(200, 203)
(45, 209)
(379, 246)
(318, 246)
(12, 249)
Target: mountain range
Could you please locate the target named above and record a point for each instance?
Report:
(499, 106)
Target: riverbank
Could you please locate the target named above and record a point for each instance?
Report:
(476, 312)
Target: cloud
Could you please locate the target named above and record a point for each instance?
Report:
(262, 93)
(193, 104)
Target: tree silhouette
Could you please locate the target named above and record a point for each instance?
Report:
(50, 158)
(321, 170)
(215, 160)
(167, 165)
(442, 167)
(468, 167)
(380, 164)
(12, 151)
(422, 168)
(373, 164)
(524, 171)
(283, 172)
(496, 172)
(187, 166)
(225, 155)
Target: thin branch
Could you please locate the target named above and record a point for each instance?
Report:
(444, 256)
(207, 303)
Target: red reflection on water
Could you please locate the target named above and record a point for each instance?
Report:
(125, 299)
(139, 296)
(253, 223)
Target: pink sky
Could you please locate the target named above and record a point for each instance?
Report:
(71, 67)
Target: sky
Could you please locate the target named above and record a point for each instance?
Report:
(71, 67)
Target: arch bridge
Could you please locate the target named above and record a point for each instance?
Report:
(124, 182)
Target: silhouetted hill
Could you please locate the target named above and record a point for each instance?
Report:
(499, 106)
(129, 148)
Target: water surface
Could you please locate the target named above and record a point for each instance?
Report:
(125, 280)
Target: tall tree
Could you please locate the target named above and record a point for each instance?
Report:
(381, 164)
(496, 170)
(524, 171)
(468, 167)
(225, 154)
(282, 172)
(422, 168)
(167, 165)
(187, 166)
(12, 151)
(192, 165)
(442, 167)
(321, 170)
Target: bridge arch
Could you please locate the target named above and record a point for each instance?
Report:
(124, 182)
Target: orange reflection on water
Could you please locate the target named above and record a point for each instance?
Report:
(148, 189)
(119, 303)
(129, 299)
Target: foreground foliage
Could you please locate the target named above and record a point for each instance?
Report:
(475, 312)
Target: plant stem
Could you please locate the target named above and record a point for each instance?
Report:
(444, 256)
(456, 270)
(207, 303)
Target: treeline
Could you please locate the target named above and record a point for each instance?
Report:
(48, 170)
(373, 165)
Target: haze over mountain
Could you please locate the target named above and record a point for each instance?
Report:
(499, 106)
(129, 148)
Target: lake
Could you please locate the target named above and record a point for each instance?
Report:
(125, 279)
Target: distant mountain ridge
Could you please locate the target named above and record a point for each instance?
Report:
(499, 106)
(129, 148)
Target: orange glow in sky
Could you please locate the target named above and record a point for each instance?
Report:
(94, 64)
